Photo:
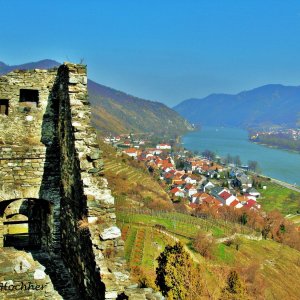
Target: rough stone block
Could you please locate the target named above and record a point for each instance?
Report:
(39, 274)
(21, 265)
(111, 295)
(110, 233)
(95, 154)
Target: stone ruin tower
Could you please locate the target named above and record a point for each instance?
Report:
(54, 200)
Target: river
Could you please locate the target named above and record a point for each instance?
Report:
(275, 163)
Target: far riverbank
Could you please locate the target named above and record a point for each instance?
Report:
(274, 147)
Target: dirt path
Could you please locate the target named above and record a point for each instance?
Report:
(174, 238)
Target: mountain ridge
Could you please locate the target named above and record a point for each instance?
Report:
(267, 105)
(41, 64)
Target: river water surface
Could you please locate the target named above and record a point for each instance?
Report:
(279, 164)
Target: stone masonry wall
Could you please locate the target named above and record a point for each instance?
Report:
(88, 228)
(27, 168)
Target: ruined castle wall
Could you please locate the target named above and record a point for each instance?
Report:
(49, 154)
(91, 241)
(76, 243)
(27, 168)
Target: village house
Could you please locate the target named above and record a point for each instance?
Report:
(242, 181)
(189, 179)
(200, 197)
(154, 151)
(168, 177)
(127, 144)
(253, 192)
(177, 192)
(163, 146)
(227, 197)
(207, 186)
(190, 190)
(132, 152)
(252, 204)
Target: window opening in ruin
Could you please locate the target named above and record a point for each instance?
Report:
(4, 107)
(29, 98)
(24, 223)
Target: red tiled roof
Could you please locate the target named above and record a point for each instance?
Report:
(178, 182)
(197, 194)
(242, 198)
(167, 165)
(189, 186)
(175, 190)
(250, 203)
(131, 150)
(225, 195)
(211, 200)
(168, 175)
(180, 173)
(234, 203)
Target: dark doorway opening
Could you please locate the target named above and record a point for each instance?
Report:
(4, 107)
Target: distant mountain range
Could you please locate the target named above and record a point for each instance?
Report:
(42, 64)
(268, 105)
(117, 112)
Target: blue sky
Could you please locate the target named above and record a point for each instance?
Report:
(164, 50)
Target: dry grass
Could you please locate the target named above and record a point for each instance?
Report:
(83, 224)
(131, 184)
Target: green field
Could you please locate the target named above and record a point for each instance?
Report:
(280, 198)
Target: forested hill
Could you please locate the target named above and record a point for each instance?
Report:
(272, 104)
(117, 112)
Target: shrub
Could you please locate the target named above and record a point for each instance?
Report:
(234, 289)
(204, 245)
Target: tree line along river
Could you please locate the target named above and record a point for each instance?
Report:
(279, 164)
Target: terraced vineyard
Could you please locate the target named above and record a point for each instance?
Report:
(120, 169)
(143, 245)
(259, 262)
(181, 225)
(131, 183)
